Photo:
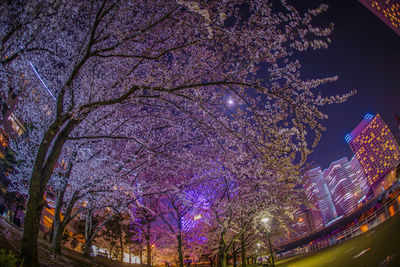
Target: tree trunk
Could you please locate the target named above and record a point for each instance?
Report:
(46, 159)
(87, 248)
(88, 234)
(234, 255)
(120, 242)
(222, 259)
(32, 222)
(130, 249)
(221, 252)
(179, 237)
(243, 250)
(148, 244)
(141, 256)
(212, 261)
(57, 228)
(180, 252)
(148, 252)
(57, 237)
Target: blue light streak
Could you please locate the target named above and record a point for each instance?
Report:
(37, 74)
(368, 116)
(348, 138)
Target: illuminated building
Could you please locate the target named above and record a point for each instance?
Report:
(339, 178)
(387, 10)
(359, 178)
(375, 148)
(318, 195)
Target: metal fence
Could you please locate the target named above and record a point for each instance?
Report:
(388, 210)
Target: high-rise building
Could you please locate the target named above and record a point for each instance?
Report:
(375, 148)
(318, 195)
(387, 10)
(359, 178)
(343, 189)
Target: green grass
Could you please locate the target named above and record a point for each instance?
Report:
(378, 244)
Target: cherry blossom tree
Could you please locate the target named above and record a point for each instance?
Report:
(183, 57)
(177, 211)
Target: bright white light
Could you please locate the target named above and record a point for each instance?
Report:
(40, 78)
(197, 217)
(230, 102)
(258, 244)
(265, 220)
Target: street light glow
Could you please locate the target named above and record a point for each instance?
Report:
(265, 220)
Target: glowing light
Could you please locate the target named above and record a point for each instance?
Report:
(265, 220)
(368, 116)
(45, 86)
(300, 219)
(197, 217)
(231, 102)
(348, 138)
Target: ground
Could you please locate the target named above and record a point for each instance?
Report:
(380, 246)
(10, 239)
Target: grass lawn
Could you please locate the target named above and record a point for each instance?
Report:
(380, 246)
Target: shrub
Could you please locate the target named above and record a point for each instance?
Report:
(8, 260)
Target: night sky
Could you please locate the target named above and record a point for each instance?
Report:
(365, 54)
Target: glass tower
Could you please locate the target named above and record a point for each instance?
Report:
(318, 195)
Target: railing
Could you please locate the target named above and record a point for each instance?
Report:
(388, 210)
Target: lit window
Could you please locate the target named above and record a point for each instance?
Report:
(16, 124)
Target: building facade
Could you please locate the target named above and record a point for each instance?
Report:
(387, 10)
(375, 148)
(318, 195)
(359, 179)
(339, 178)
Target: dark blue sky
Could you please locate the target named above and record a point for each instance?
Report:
(365, 54)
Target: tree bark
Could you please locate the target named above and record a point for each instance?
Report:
(88, 235)
(120, 242)
(179, 237)
(234, 255)
(57, 227)
(57, 238)
(148, 263)
(148, 245)
(45, 161)
(222, 259)
(243, 250)
(212, 261)
(180, 252)
(32, 222)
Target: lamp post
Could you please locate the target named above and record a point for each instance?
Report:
(259, 251)
(265, 220)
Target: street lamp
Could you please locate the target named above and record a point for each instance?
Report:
(265, 220)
